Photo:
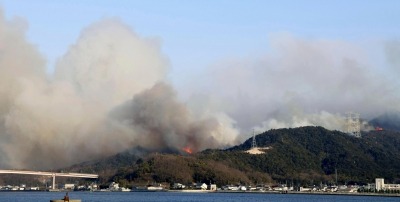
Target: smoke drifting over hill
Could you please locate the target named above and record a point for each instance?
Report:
(110, 92)
(303, 82)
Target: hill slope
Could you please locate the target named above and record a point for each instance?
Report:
(306, 155)
(388, 121)
(314, 153)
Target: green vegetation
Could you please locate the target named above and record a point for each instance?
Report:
(306, 155)
(311, 155)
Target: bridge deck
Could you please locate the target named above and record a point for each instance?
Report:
(27, 172)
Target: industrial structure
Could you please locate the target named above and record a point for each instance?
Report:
(353, 124)
(253, 143)
(52, 174)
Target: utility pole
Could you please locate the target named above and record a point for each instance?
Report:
(336, 176)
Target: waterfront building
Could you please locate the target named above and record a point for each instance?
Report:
(202, 186)
(212, 187)
(178, 186)
(380, 185)
(69, 186)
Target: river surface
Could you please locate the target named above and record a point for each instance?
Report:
(190, 197)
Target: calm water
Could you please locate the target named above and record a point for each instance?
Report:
(191, 197)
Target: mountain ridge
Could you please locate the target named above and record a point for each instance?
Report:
(305, 155)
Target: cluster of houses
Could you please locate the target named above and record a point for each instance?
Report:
(68, 187)
(115, 187)
(262, 188)
(379, 186)
(195, 186)
(334, 188)
(22, 187)
(71, 187)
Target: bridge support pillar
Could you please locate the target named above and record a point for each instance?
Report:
(54, 182)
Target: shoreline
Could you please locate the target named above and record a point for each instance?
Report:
(289, 192)
(237, 192)
(347, 193)
(311, 193)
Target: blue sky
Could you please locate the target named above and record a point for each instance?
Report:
(195, 34)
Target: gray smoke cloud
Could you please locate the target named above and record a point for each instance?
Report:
(164, 122)
(79, 113)
(392, 52)
(301, 82)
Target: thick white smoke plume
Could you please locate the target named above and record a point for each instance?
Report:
(108, 94)
(304, 82)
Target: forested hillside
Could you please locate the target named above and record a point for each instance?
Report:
(388, 121)
(313, 153)
(306, 155)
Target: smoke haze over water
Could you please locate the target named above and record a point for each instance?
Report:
(110, 92)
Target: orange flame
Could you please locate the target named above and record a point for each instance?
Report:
(187, 150)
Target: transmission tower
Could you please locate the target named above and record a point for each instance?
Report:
(353, 124)
(253, 143)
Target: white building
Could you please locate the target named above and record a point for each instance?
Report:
(380, 185)
(303, 189)
(69, 186)
(230, 187)
(242, 188)
(34, 188)
(93, 186)
(201, 186)
(212, 187)
(113, 186)
(178, 186)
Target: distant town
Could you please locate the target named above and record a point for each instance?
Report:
(379, 187)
